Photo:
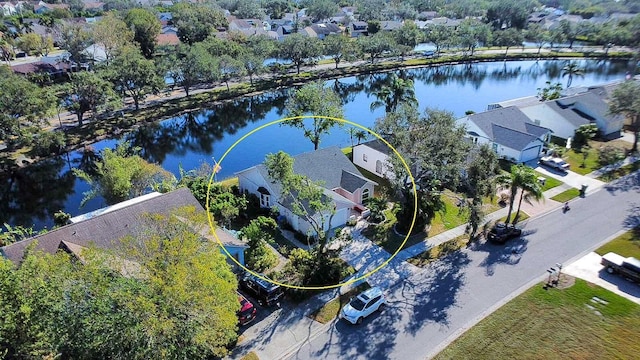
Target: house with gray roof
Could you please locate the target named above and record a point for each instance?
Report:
(563, 116)
(509, 132)
(341, 182)
(322, 30)
(105, 228)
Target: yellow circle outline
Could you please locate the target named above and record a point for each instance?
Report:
(325, 287)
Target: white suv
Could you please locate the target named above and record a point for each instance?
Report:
(363, 305)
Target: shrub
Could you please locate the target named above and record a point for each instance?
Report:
(49, 142)
(608, 155)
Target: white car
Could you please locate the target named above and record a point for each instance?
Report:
(363, 305)
(555, 163)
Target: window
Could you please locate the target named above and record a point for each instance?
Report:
(265, 200)
(379, 166)
(364, 157)
(365, 194)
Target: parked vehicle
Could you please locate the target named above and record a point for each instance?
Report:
(265, 292)
(554, 163)
(247, 311)
(428, 53)
(363, 305)
(500, 233)
(627, 267)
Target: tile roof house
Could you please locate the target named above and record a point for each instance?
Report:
(104, 228)
(509, 132)
(342, 182)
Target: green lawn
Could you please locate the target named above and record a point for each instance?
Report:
(584, 166)
(555, 324)
(331, 310)
(618, 173)
(549, 182)
(566, 195)
(522, 217)
(627, 244)
(250, 356)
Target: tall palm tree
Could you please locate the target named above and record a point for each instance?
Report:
(512, 181)
(396, 91)
(531, 189)
(570, 70)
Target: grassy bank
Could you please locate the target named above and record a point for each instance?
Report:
(571, 323)
(627, 244)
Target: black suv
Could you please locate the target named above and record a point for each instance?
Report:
(501, 233)
(265, 292)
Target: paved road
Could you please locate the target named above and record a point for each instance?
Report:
(432, 307)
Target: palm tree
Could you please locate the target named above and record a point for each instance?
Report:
(570, 70)
(361, 135)
(396, 91)
(531, 189)
(513, 182)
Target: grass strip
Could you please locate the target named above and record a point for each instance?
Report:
(330, 310)
(440, 250)
(627, 244)
(567, 195)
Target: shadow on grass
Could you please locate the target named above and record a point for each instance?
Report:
(624, 184)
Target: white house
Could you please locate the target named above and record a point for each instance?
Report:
(373, 156)
(342, 183)
(509, 132)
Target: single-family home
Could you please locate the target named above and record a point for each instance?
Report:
(284, 31)
(321, 31)
(358, 28)
(43, 7)
(509, 132)
(104, 228)
(390, 25)
(341, 182)
(563, 116)
(8, 8)
(373, 156)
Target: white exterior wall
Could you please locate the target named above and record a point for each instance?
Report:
(250, 180)
(372, 155)
(545, 116)
(605, 127)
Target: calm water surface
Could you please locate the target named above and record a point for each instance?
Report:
(31, 196)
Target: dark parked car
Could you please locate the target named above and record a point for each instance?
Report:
(501, 233)
(265, 292)
(247, 311)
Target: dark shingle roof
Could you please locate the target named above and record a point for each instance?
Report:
(105, 230)
(378, 145)
(508, 127)
(352, 182)
(590, 101)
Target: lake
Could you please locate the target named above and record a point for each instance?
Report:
(31, 196)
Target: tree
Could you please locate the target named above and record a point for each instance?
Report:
(74, 38)
(339, 47)
(508, 38)
(316, 100)
(395, 91)
(439, 35)
(120, 175)
(471, 33)
(113, 34)
(277, 8)
(299, 49)
(34, 44)
(521, 178)
(550, 92)
(434, 147)
(407, 37)
(249, 9)
(88, 91)
(305, 196)
(229, 68)
(260, 232)
(556, 36)
(583, 134)
(569, 30)
(146, 27)
(196, 22)
(538, 35)
(191, 65)
(625, 100)
(481, 172)
(252, 64)
(375, 45)
(570, 70)
(6, 49)
(508, 14)
(23, 105)
(134, 76)
(320, 10)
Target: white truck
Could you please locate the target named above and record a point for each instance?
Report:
(627, 267)
(554, 163)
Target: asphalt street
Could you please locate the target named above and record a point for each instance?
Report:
(430, 308)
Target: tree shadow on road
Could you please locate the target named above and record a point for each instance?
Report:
(507, 254)
(429, 298)
(632, 221)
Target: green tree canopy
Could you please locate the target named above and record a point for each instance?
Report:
(196, 22)
(625, 101)
(314, 99)
(300, 49)
(146, 28)
(119, 176)
(88, 91)
(134, 76)
(113, 34)
(74, 38)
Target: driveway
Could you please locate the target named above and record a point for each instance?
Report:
(571, 178)
(589, 268)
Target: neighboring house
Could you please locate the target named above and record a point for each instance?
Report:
(563, 116)
(358, 28)
(43, 7)
(105, 228)
(169, 29)
(509, 132)
(321, 31)
(54, 70)
(373, 156)
(342, 183)
(95, 53)
(11, 8)
(167, 39)
(284, 31)
(390, 25)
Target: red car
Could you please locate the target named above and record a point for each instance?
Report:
(247, 311)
